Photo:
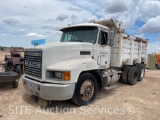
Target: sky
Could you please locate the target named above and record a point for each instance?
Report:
(24, 20)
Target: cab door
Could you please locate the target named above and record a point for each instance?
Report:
(103, 50)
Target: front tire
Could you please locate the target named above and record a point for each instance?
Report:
(85, 90)
(15, 84)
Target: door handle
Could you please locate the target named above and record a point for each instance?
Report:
(99, 60)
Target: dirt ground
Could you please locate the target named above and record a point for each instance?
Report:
(141, 102)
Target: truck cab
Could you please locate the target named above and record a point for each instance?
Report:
(87, 57)
(97, 35)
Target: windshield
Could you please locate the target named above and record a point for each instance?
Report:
(80, 34)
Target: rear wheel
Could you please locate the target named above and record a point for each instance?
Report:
(158, 66)
(141, 71)
(133, 76)
(18, 70)
(125, 74)
(6, 67)
(86, 90)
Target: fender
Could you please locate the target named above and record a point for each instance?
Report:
(76, 66)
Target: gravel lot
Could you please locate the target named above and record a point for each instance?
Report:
(141, 102)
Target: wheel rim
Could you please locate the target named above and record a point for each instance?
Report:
(87, 90)
(142, 73)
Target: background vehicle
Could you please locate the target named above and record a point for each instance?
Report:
(9, 78)
(158, 61)
(89, 56)
(14, 62)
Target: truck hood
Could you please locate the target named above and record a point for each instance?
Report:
(57, 52)
(61, 45)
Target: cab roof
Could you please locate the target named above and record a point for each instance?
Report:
(86, 25)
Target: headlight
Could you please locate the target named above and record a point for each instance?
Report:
(58, 74)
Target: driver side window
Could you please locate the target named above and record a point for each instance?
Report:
(103, 38)
(68, 37)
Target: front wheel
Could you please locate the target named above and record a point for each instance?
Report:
(86, 90)
(15, 84)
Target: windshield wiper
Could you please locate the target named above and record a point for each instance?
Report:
(77, 40)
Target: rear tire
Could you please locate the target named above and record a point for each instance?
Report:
(85, 90)
(158, 66)
(133, 76)
(141, 71)
(6, 67)
(125, 74)
(18, 70)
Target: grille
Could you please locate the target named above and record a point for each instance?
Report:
(33, 63)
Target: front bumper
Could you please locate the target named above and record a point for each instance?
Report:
(49, 91)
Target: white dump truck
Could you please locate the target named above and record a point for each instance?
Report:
(89, 56)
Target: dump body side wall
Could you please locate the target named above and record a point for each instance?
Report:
(128, 50)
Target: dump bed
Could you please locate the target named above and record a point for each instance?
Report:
(126, 49)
